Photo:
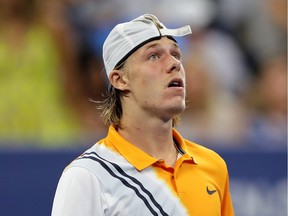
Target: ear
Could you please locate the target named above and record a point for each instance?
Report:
(119, 80)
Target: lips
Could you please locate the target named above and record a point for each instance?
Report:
(176, 82)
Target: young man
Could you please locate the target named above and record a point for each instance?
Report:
(144, 166)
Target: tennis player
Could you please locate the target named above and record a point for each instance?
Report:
(144, 166)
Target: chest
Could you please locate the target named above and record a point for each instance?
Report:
(198, 189)
(130, 192)
(155, 191)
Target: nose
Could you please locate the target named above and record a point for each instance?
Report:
(173, 64)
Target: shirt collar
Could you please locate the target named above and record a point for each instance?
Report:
(138, 157)
(130, 152)
(181, 146)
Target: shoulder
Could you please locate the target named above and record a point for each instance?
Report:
(101, 161)
(88, 161)
(78, 174)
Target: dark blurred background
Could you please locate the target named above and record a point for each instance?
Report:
(51, 69)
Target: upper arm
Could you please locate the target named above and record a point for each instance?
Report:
(78, 193)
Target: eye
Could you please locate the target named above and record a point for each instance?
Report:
(153, 56)
(177, 56)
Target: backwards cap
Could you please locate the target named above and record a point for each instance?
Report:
(125, 38)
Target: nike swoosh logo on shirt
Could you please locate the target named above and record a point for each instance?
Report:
(210, 192)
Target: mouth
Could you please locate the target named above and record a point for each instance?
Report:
(176, 82)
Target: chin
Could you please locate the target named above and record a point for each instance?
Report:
(176, 110)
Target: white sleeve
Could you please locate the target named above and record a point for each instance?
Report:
(78, 193)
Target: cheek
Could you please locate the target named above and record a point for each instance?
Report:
(140, 88)
(146, 90)
(142, 81)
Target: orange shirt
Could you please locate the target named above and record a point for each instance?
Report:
(130, 182)
(196, 175)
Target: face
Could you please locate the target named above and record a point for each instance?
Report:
(156, 79)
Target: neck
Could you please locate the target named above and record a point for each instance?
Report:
(153, 137)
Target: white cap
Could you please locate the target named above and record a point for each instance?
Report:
(125, 38)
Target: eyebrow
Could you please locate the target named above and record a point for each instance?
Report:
(156, 44)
